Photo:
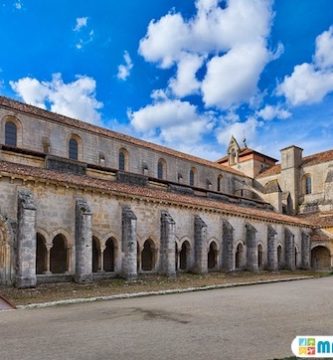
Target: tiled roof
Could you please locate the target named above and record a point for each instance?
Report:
(33, 110)
(320, 219)
(307, 161)
(243, 152)
(130, 191)
(318, 158)
(273, 170)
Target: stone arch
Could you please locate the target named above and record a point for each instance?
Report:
(96, 254)
(176, 256)
(320, 258)
(279, 256)
(212, 260)
(307, 184)
(41, 254)
(260, 256)
(239, 256)
(123, 160)
(162, 169)
(19, 129)
(148, 255)
(219, 183)
(109, 255)
(184, 255)
(193, 177)
(138, 257)
(74, 147)
(59, 255)
(296, 256)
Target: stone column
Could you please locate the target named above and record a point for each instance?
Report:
(83, 242)
(101, 259)
(168, 248)
(251, 248)
(272, 258)
(289, 245)
(228, 247)
(306, 251)
(200, 246)
(48, 254)
(129, 246)
(26, 241)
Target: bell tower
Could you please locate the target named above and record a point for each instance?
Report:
(233, 152)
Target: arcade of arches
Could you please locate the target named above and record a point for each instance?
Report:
(54, 258)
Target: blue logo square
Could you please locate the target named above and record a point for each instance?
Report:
(303, 342)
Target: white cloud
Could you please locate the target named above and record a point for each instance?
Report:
(324, 49)
(75, 99)
(236, 37)
(171, 122)
(306, 85)
(232, 78)
(240, 130)
(124, 70)
(81, 22)
(309, 83)
(185, 82)
(270, 112)
(88, 38)
(18, 5)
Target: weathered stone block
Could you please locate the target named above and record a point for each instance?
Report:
(200, 246)
(167, 248)
(26, 241)
(83, 242)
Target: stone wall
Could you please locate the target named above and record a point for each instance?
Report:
(130, 224)
(33, 130)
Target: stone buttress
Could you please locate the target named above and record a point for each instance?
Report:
(228, 246)
(83, 242)
(168, 245)
(26, 240)
(129, 244)
(200, 246)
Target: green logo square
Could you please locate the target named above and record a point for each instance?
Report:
(311, 342)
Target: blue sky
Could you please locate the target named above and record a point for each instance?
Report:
(185, 74)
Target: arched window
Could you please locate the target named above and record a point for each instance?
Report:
(122, 160)
(279, 256)
(41, 254)
(109, 256)
(307, 184)
(184, 255)
(10, 134)
(161, 169)
(212, 256)
(148, 256)
(239, 256)
(73, 149)
(260, 257)
(219, 183)
(192, 177)
(58, 255)
(96, 255)
(101, 159)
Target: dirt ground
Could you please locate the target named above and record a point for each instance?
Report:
(70, 290)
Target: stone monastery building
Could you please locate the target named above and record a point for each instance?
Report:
(82, 202)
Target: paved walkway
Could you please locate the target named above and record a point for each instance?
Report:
(253, 323)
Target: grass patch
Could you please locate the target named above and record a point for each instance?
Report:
(63, 291)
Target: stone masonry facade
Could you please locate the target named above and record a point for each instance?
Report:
(111, 205)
